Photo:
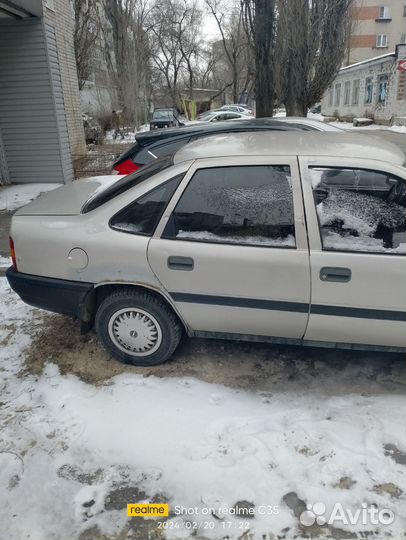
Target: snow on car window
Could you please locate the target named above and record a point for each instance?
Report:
(289, 241)
(247, 204)
(363, 214)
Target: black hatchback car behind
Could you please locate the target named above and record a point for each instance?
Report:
(151, 145)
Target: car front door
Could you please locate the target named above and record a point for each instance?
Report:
(357, 230)
(231, 248)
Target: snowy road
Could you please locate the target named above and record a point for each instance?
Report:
(222, 425)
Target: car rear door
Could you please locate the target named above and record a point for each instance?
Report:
(231, 248)
(355, 211)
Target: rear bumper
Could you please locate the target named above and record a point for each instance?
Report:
(58, 295)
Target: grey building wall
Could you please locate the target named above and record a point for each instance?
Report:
(32, 136)
(41, 128)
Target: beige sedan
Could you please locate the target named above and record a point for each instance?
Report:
(277, 237)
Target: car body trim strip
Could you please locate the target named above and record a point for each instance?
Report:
(298, 307)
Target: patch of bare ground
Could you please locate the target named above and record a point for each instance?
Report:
(243, 365)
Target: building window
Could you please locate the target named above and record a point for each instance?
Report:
(355, 92)
(381, 41)
(404, 11)
(384, 12)
(347, 92)
(383, 88)
(337, 100)
(331, 97)
(403, 38)
(402, 87)
(369, 89)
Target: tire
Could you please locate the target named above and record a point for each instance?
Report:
(137, 328)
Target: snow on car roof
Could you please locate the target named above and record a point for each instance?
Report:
(353, 145)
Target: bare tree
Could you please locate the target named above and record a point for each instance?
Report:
(312, 37)
(86, 34)
(126, 50)
(259, 21)
(234, 44)
(174, 30)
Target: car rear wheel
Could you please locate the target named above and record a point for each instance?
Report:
(137, 328)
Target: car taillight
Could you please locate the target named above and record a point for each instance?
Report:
(13, 253)
(126, 167)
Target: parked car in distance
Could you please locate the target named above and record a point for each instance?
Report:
(237, 108)
(152, 145)
(165, 118)
(272, 237)
(221, 116)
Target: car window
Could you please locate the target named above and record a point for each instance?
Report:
(250, 205)
(231, 116)
(209, 116)
(123, 184)
(360, 210)
(142, 216)
(168, 148)
(162, 115)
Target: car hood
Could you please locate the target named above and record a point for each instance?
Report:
(68, 200)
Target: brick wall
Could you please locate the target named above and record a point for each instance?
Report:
(363, 41)
(58, 13)
(366, 12)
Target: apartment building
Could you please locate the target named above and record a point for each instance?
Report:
(378, 26)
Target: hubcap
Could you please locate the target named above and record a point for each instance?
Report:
(135, 331)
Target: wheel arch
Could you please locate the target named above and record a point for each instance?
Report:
(100, 291)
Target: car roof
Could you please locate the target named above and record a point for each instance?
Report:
(148, 137)
(169, 135)
(286, 143)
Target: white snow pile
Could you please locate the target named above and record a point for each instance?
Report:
(126, 135)
(15, 196)
(65, 445)
(5, 262)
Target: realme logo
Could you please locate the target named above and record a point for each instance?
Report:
(148, 510)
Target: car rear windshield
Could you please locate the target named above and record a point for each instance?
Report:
(128, 182)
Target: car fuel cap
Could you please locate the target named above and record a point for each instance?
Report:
(78, 259)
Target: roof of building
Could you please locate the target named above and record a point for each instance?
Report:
(353, 145)
(380, 58)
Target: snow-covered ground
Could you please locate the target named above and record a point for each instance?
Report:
(5, 262)
(128, 136)
(17, 195)
(72, 454)
(349, 125)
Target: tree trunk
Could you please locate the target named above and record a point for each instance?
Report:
(295, 108)
(263, 43)
(235, 87)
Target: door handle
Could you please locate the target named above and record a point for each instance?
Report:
(180, 263)
(336, 274)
